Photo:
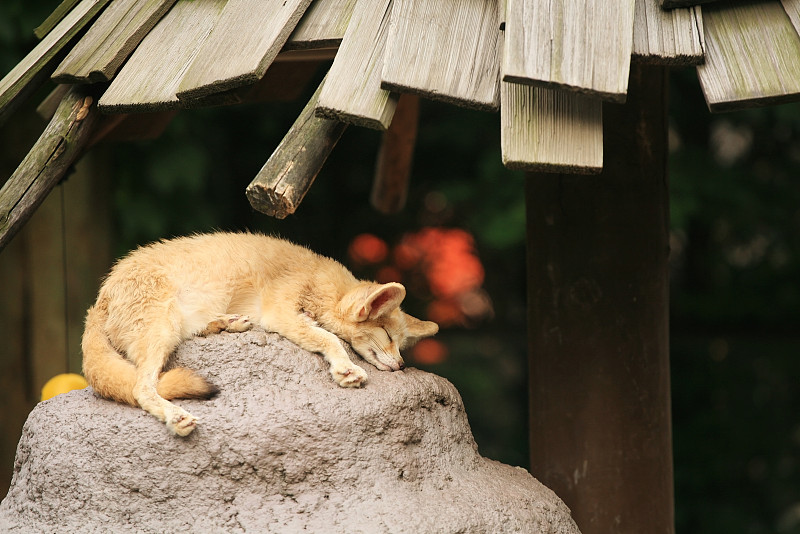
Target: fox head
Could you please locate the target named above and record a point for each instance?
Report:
(375, 326)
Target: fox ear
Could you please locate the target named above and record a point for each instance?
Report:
(382, 300)
(417, 329)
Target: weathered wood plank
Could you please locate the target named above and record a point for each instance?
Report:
(353, 91)
(110, 40)
(34, 70)
(581, 45)
(150, 78)
(446, 51)
(664, 37)
(242, 45)
(54, 18)
(322, 25)
(393, 168)
(792, 8)
(61, 143)
(752, 56)
(290, 171)
(550, 130)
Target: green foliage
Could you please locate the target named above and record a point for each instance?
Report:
(735, 198)
(18, 18)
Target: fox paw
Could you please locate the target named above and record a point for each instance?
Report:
(229, 323)
(349, 376)
(181, 423)
(238, 323)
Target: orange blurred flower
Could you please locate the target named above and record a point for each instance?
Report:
(387, 274)
(368, 249)
(445, 313)
(429, 352)
(448, 257)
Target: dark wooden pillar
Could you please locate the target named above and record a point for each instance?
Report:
(598, 324)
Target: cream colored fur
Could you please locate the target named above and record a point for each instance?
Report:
(169, 291)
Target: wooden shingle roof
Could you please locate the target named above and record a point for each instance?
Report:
(547, 66)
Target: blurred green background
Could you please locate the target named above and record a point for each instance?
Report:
(735, 264)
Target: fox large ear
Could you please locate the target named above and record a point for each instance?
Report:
(417, 329)
(384, 299)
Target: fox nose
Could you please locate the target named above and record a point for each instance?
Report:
(402, 365)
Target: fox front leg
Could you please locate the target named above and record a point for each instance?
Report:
(304, 332)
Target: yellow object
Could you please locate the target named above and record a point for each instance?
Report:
(61, 384)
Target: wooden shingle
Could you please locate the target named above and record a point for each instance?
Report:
(446, 51)
(582, 45)
(322, 25)
(37, 66)
(149, 80)
(550, 130)
(242, 45)
(352, 92)
(110, 40)
(752, 55)
(54, 18)
(669, 37)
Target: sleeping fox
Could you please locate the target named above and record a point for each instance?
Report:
(169, 291)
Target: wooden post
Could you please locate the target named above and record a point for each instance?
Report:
(598, 324)
(393, 168)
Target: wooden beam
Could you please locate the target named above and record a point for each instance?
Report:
(598, 324)
(662, 37)
(290, 171)
(447, 51)
(242, 45)
(150, 78)
(322, 25)
(550, 130)
(60, 145)
(753, 56)
(581, 45)
(393, 168)
(353, 91)
(30, 73)
(110, 40)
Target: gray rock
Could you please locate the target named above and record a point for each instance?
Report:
(281, 449)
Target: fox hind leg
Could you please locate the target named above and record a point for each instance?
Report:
(150, 357)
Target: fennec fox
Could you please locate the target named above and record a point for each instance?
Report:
(169, 291)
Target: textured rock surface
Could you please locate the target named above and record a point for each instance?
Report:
(281, 449)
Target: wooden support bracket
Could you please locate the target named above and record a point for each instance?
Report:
(287, 175)
(61, 144)
(393, 169)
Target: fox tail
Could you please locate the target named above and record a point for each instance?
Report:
(113, 376)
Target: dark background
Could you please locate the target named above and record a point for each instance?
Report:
(735, 263)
